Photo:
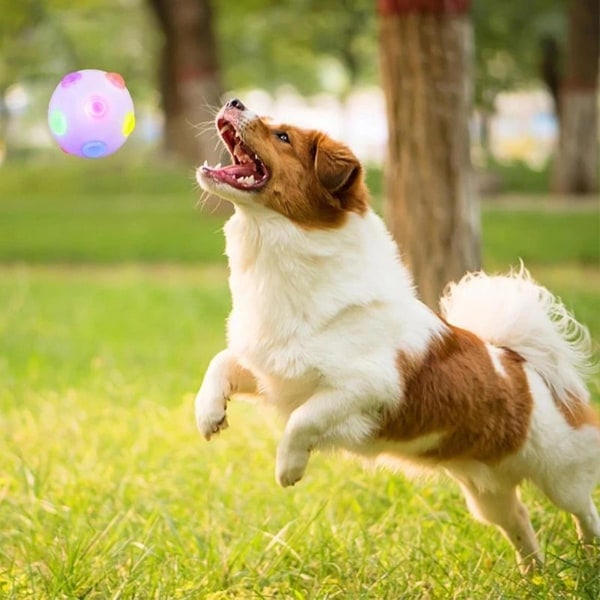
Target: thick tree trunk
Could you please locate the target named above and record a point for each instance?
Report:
(431, 205)
(189, 77)
(576, 161)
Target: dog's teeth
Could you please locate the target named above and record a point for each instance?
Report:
(247, 180)
(205, 163)
(218, 166)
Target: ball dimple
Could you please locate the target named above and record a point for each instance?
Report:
(128, 124)
(58, 122)
(70, 79)
(94, 149)
(96, 107)
(116, 79)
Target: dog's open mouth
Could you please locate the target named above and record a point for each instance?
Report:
(248, 172)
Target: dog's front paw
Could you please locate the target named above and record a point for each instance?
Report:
(210, 423)
(290, 467)
(210, 412)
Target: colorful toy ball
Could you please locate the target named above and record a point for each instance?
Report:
(91, 113)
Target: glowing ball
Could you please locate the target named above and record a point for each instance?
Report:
(91, 113)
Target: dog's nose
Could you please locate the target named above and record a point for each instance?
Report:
(235, 103)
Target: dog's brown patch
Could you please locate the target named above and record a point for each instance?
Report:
(578, 413)
(455, 390)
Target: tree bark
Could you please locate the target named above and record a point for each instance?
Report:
(189, 77)
(431, 205)
(576, 161)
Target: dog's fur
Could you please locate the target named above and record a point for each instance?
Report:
(326, 325)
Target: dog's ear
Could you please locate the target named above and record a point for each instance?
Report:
(335, 165)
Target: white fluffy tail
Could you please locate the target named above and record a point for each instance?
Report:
(515, 312)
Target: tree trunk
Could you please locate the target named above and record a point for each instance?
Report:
(189, 77)
(576, 161)
(431, 206)
(550, 69)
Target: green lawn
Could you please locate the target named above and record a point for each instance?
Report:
(108, 213)
(104, 213)
(107, 491)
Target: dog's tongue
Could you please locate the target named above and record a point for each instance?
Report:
(241, 170)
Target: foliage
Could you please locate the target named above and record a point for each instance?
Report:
(508, 38)
(333, 45)
(311, 44)
(44, 39)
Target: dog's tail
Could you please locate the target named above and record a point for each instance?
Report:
(515, 312)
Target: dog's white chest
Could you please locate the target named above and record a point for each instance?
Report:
(266, 328)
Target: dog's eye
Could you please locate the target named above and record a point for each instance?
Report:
(283, 136)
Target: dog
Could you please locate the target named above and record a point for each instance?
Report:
(326, 325)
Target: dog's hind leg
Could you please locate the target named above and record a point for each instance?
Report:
(570, 482)
(588, 523)
(575, 497)
(503, 508)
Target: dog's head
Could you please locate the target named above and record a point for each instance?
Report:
(302, 174)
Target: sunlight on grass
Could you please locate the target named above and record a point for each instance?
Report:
(107, 491)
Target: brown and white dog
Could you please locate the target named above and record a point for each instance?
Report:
(326, 326)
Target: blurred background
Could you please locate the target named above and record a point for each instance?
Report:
(315, 61)
(503, 95)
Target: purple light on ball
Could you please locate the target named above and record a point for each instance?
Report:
(91, 113)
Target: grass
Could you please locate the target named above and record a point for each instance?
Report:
(541, 238)
(106, 490)
(116, 214)
(517, 176)
(106, 213)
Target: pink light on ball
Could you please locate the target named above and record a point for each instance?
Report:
(91, 113)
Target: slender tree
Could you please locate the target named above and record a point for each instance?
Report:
(189, 76)
(431, 207)
(576, 162)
